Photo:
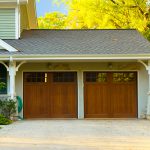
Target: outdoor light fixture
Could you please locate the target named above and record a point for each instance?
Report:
(110, 65)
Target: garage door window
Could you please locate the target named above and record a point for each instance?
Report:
(124, 77)
(96, 77)
(36, 77)
(64, 77)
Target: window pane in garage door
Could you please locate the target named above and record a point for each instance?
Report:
(124, 77)
(96, 77)
(64, 77)
(35, 77)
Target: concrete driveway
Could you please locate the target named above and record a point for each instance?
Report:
(76, 135)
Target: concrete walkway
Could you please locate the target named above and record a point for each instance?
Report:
(76, 135)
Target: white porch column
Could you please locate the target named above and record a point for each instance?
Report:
(12, 74)
(80, 95)
(148, 102)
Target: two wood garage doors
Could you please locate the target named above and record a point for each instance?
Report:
(106, 95)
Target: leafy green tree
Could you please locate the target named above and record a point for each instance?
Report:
(54, 20)
(109, 14)
(103, 14)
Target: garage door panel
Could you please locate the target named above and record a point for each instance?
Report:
(123, 101)
(64, 100)
(90, 94)
(28, 97)
(119, 99)
(124, 94)
(37, 101)
(96, 104)
(48, 97)
(110, 95)
(42, 101)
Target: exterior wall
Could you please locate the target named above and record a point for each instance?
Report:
(31, 9)
(80, 68)
(7, 23)
(24, 24)
(16, 18)
(142, 92)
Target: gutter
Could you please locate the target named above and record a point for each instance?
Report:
(71, 58)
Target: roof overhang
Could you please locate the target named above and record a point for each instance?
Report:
(78, 58)
(12, 2)
(31, 9)
(4, 45)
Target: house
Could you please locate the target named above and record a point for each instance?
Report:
(72, 73)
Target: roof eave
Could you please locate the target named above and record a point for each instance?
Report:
(78, 57)
(12, 2)
(4, 45)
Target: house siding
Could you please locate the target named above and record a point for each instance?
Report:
(7, 23)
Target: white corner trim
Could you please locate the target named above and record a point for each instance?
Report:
(17, 22)
(7, 46)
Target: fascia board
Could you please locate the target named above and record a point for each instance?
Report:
(4, 45)
(81, 58)
(12, 2)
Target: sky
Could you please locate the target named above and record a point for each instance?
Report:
(45, 6)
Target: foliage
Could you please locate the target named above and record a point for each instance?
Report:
(2, 85)
(4, 120)
(103, 14)
(7, 107)
(54, 20)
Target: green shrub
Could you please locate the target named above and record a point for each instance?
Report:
(7, 107)
(2, 85)
(4, 121)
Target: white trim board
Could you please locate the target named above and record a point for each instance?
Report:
(17, 22)
(81, 57)
(13, 1)
(74, 58)
(4, 45)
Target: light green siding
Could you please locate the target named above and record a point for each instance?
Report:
(7, 23)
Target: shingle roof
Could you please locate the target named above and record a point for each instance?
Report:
(79, 42)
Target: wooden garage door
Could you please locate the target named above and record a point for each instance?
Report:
(110, 94)
(50, 95)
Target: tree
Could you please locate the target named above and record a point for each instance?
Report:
(106, 14)
(54, 20)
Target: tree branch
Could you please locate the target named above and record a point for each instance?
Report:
(114, 2)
